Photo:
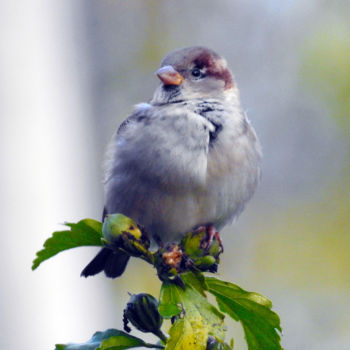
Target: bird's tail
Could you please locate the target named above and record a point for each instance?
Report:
(112, 262)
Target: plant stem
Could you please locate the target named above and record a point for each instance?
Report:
(161, 336)
(154, 346)
(148, 257)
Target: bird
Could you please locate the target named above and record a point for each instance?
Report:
(188, 158)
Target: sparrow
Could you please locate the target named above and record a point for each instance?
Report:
(187, 159)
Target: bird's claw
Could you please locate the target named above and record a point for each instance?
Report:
(211, 233)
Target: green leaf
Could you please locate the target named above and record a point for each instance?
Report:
(87, 232)
(169, 310)
(169, 301)
(198, 318)
(111, 339)
(125, 341)
(196, 280)
(253, 310)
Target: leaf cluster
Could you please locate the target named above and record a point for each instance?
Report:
(196, 323)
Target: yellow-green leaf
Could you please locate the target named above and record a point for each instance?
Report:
(198, 318)
(187, 333)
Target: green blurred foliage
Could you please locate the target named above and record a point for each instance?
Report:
(157, 41)
(326, 70)
(306, 245)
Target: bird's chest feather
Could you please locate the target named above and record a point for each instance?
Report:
(230, 172)
(225, 129)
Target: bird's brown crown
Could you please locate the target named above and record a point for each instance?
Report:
(200, 57)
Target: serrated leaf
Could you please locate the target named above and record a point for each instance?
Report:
(87, 232)
(253, 310)
(198, 318)
(111, 339)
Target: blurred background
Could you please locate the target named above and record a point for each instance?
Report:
(71, 72)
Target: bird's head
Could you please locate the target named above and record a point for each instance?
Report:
(194, 73)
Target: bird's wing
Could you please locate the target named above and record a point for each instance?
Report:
(167, 145)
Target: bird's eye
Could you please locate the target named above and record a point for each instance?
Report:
(196, 72)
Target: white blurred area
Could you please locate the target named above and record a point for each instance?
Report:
(70, 72)
(49, 174)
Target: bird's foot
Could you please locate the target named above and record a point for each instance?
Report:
(211, 233)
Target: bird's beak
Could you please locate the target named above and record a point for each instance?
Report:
(169, 76)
